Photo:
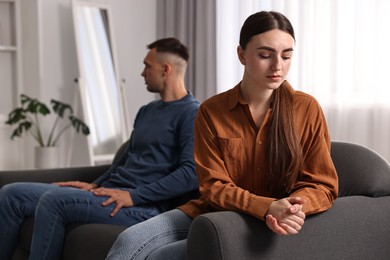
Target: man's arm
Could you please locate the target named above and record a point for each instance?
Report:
(183, 179)
(121, 160)
(89, 186)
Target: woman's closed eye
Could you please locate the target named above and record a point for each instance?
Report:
(287, 55)
(265, 55)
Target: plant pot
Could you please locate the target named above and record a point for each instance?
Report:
(47, 157)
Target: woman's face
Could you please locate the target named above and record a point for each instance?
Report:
(267, 58)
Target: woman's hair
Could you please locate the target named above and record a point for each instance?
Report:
(261, 22)
(284, 157)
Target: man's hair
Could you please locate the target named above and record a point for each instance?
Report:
(170, 45)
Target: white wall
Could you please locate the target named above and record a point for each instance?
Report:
(50, 61)
(9, 148)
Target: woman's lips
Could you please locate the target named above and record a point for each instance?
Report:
(274, 77)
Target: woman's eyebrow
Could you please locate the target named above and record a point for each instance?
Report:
(273, 50)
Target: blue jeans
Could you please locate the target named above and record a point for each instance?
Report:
(53, 208)
(166, 232)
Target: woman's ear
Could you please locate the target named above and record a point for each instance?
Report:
(241, 54)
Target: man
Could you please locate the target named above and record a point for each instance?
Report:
(155, 173)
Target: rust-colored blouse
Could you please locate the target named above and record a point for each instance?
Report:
(229, 155)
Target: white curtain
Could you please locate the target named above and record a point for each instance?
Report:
(341, 57)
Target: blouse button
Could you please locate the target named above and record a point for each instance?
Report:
(260, 142)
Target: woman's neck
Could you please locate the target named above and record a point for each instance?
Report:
(256, 95)
(259, 101)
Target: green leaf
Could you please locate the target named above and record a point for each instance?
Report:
(16, 115)
(23, 127)
(78, 123)
(33, 106)
(24, 99)
(60, 107)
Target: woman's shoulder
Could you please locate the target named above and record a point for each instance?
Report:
(300, 96)
(307, 109)
(224, 99)
(301, 99)
(305, 100)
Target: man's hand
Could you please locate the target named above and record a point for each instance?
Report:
(285, 216)
(120, 197)
(77, 184)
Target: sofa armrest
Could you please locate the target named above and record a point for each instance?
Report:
(354, 228)
(86, 173)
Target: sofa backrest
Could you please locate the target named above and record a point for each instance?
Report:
(361, 170)
(120, 151)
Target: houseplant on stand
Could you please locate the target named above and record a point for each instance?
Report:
(27, 120)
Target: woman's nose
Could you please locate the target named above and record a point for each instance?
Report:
(277, 64)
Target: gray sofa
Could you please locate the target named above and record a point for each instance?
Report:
(355, 228)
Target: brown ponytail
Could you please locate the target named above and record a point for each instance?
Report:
(284, 157)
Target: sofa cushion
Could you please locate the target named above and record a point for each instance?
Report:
(82, 241)
(89, 241)
(25, 234)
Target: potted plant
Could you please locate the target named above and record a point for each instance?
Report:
(27, 119)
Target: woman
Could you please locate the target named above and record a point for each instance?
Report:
(261, 148)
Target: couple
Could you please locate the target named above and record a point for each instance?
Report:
(260, 148)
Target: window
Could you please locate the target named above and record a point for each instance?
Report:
(341, 57)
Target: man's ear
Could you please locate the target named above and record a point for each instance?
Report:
(166, 68)
(241, 54)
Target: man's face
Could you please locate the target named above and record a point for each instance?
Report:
(153, 72)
